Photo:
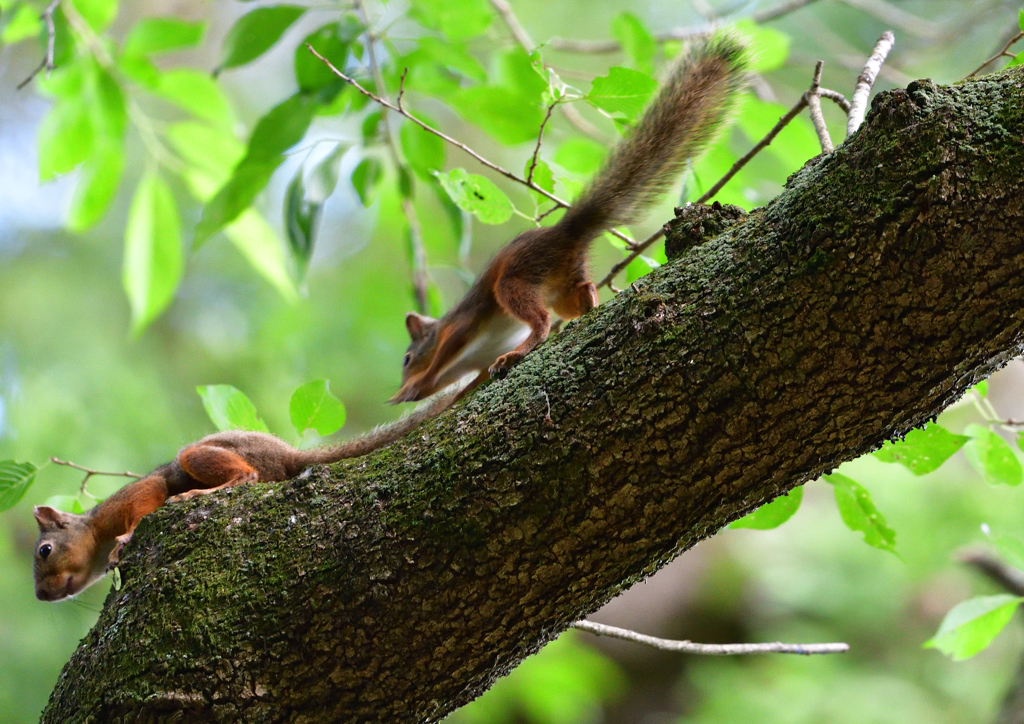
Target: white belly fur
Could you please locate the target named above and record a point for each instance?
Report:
(501, 334)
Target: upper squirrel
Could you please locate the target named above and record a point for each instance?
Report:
(74, 551)
(505, 313)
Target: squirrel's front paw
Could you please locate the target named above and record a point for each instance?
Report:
(115, 555)
(503, 364)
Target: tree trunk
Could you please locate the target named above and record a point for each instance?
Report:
(880, 285)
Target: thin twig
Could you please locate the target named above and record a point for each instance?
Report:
(420, 280)
(859, 102)
(572, 45)
(561, 203)
(540, 137)
(1005, 575)
(51, 39)
(836, 96)
(814, 104)
(1002, 53)
(688, 647)
(401, 89)
(89, 472)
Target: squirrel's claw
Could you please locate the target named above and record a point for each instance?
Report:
(503, 364)
(115, 555)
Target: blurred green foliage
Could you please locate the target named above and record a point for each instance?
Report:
(242, 219)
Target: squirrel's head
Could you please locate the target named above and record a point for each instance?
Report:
(415, 384)
(64, 563)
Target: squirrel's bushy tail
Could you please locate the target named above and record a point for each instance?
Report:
(378, 437)
(683, 119)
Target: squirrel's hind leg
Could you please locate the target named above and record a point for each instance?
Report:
(523, 301)
(580, 299)
(214, 467)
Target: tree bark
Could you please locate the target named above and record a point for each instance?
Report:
(880, 285)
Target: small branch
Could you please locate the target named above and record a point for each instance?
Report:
(836, 96)
(51, 39)
(571, 45)
(1001, 54)
(420, 280)
(401, 89)
(1005, 575)
(814, 103)
(859, 102)
(688, 647)
(90, 472)
(514, 26)
(540, 135)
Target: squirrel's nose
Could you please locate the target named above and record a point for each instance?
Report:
(43, 595)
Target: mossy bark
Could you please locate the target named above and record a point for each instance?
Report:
(882, 283)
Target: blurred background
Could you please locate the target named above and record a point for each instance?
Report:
(75, 383)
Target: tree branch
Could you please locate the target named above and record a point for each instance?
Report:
(874, 291)
(689, 647)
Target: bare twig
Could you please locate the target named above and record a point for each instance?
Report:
(514, 26)
(89, 472)
(51, 39)
(540, 138)
(1005, 575)
(814, 104)
(571, 45)
(688, 647)
(560, 203)
(836, 96)
(859, 102)
(1004, 53)
(420, 279)
(736, 167)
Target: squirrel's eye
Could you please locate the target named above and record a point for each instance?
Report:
(44, 550)
(405, 360)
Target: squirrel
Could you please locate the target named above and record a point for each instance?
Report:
(505, 315)
(74, 551)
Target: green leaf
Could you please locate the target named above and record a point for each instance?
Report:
(15, 479)
(859, 513)
(100, 179)
(230, 409)
(542, 176)
(160, 35)
(211, 148)
(304, 204)
(1020, 19)
(457, 19)
(312, 73)
(981, 388)
(256, 32)
(477, 195)
(636, 41)
(988, 453)
(453, 56)
(366, 177)
(25, 24)
(517, 72)
(280, 129)
(1011, 549)
(422, 150)
(313, 406)
(796, 142)
(152, 250)
(67, 503)
(972, 625)
(774, 513)
(769, 47)
(501, 112)
(197, 93)
(622, 91)
(580, 155)
(922, 450)
(99, 14)
(259, 243)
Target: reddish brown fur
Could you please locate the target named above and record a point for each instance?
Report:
(82, 547)
(546, 268)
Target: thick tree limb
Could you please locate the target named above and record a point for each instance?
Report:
(882, 283)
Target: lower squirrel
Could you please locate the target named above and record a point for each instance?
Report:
(74, 551)
(505, 313)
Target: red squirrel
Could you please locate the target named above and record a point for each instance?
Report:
(75, 551)
(505, 313)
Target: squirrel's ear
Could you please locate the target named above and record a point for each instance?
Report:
(417, 324)
(50, 518)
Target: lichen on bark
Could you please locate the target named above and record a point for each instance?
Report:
(880, 285)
